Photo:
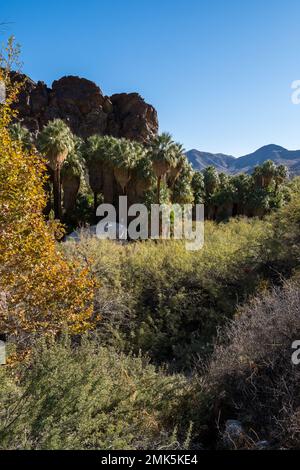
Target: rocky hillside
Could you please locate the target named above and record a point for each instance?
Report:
(246, 164)
(201, 160)
(81, 104)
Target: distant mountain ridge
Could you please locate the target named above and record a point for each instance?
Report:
(246, 163)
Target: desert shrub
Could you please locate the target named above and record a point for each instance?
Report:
(173, 299)
(85, 396)
(284, 241)
(251, 376)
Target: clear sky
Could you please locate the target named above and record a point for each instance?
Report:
(219, 72)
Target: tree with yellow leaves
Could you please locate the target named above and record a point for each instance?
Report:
(43, 292)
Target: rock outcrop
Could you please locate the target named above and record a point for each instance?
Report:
(82, 105)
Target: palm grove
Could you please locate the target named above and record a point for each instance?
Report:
(156, 172)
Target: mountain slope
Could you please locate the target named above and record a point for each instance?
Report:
(246, 163)
(201, 160)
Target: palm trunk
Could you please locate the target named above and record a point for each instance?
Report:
(70, 186)
(57, 193)
(95, 202)
(158, 189)
(158, 202)
(47, 190)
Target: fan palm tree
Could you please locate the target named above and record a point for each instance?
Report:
(163, 153)
(141, 175)
(176, 170)
(269, 170)
(94, 155)
(107, 158)
(211, 180)
(182, 188)
(21, 134)
(71, 173)
(242, 189)
(144, 175)
(124, 157)
(56, 141)
(264, 174)
(224, 197)
(281, 175)
(211, 184)
(197, 185)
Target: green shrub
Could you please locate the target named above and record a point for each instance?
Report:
(88, 397)
(284, 242)
(170, 301)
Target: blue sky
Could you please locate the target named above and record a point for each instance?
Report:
(219, 72)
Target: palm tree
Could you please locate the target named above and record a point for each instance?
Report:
(56, 141)
(182, 188)
(144, 175)
(224, 197)
(268, 172)
(109, 159)
(264, 174)
(71, 173)
(197, 185)
(211, 184)
(176, 170)
(281, 175)
(95, 155)
(243, 186)
(163, 153)
(124, 158)
(211, 180)
(141, 175)
(21, 134)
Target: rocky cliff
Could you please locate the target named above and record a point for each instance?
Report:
(82, 105)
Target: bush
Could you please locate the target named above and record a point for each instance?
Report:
(284, 241)
(172, 300)
(88, 397)
(251, 375)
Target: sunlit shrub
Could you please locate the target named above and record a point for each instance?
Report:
(173, 299)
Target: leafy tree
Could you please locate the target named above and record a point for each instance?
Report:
(56, 141)
(43, 291)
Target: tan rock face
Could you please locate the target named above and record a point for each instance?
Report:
(82, 105)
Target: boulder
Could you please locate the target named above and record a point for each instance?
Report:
(133, 117)
(234, 434)
(82, 105)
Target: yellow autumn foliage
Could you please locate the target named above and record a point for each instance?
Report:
(41, 291)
